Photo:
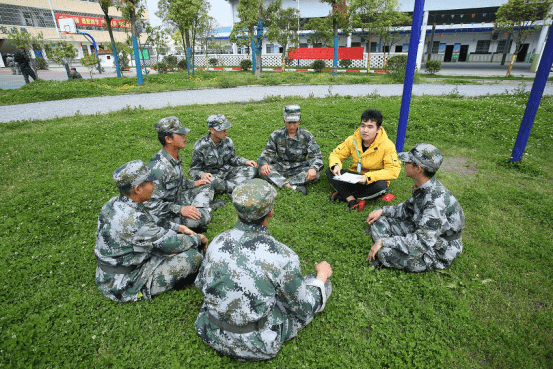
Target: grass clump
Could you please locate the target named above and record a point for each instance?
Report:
(496, 295)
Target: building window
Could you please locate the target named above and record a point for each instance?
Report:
(374, 48)
(269, 48)
(356, 44)
(304, 45)
(28, 19)
(398, 49)
(435, 47)
(482, 47)
(501, 46)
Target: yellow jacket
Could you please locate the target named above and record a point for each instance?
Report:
(379, 162)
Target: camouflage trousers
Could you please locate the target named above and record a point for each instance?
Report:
(28, 72)
(256, 345)
(282, 174)
(170, 270)
(201, 198)
(411, 259)
(228, 180)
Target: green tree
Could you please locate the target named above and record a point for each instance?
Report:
(338, 15)
(282, 26)
(132, 10)
(321, 31)
(22, 39)
(105, 5)
(158, 39)
(384, 28)
(124, 52)
(90, 61)
(62, 52)
(521, 18)
(184, 15)
(205, 33)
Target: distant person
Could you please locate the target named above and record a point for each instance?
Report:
(255, 296)
(74, 74)
(292, 158)
(214, 158)
(374, 158)
(177, 200)
(424, 232)
(24, 62)
(135, 257)
(11, 63)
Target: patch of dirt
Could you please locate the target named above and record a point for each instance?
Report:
(458, 165)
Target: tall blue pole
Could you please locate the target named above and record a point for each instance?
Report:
(188, 49)
(335, 57)
(139, 79)
(260, 42)
(252, 51)
(409, 74)
(116, 60)
(534, 99)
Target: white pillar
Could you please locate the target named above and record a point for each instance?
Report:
(348, 41)
(234, 49)
(422, 39)
(540, 46)
(1, 61)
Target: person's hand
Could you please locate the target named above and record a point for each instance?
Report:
(336, 170)
(201, 182)
(311, 174)
(363, 180)
(206, 177)
(190, 212)
(252, 163)
(185, 230)
(374, 215)
(204, 241)
(324, 271)
(374, 250)
(265, 169)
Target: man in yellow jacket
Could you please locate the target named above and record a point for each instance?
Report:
(375, 163)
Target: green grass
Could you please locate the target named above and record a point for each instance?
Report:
(491, 308)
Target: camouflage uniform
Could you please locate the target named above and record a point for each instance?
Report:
(23, 60)
(290, 158)
(220, 160)
(11, 64)
(173, 191)
(424, 232)
(255, 296)
(136, 257)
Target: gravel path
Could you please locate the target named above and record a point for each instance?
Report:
(92, 105)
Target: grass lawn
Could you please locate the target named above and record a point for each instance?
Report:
(491, 308)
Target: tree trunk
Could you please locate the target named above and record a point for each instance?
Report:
(369, 56)
(511, 65)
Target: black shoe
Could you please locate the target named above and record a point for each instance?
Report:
(217, 204)
(335, 196)
(352, 205)
(301, 189)
(200, 229)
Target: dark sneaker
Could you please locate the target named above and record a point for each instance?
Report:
(335, 196)
(200, 229)
(217, 204)
(301, 189)
(356, 205)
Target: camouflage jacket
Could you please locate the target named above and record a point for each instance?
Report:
(292, 151)
(128, 238)
(167, 198)
(245, 275)
(438, 220)
(210, 158)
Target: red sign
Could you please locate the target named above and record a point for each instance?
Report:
(95, 21)
(344, 53)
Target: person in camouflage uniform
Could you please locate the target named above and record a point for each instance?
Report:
(214, 158)
(424, 232)
(177, 200)
(292, 157)
(24, 62)
(135, 257)
(255, 296)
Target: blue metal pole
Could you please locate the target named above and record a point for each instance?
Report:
(188, 59)
(534, 99)
(335, 57)
(260, 42)
(116, 60)
(139, 79)
(252, 50)
(409, 74)
(93, 42)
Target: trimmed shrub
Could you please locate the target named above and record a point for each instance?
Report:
(397, 64)
(345, 63)
(318, 65)
(182, 64)
(161, 67)
(41, 64)
(213, 61)
(433, 66)
(170, 60)
(246, 64)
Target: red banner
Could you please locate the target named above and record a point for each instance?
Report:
(344, 53)
(95, 21)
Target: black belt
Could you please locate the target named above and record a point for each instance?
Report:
(452, 237)
(248, 328)
(115, 269)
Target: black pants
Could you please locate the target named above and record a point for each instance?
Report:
(357, 190)
(28, 72)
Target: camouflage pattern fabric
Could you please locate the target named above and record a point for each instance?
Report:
(422, 233)
(24, 63)
(424, 155)
(253, 199)
(291, 157)
(246, 277)
(174, 191)
(221, 161)
(135, 256)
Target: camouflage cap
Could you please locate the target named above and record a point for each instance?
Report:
(171, 125)
(292, 113)
(218, 122)
(424, 155)
(131, 174)
(253, 199)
